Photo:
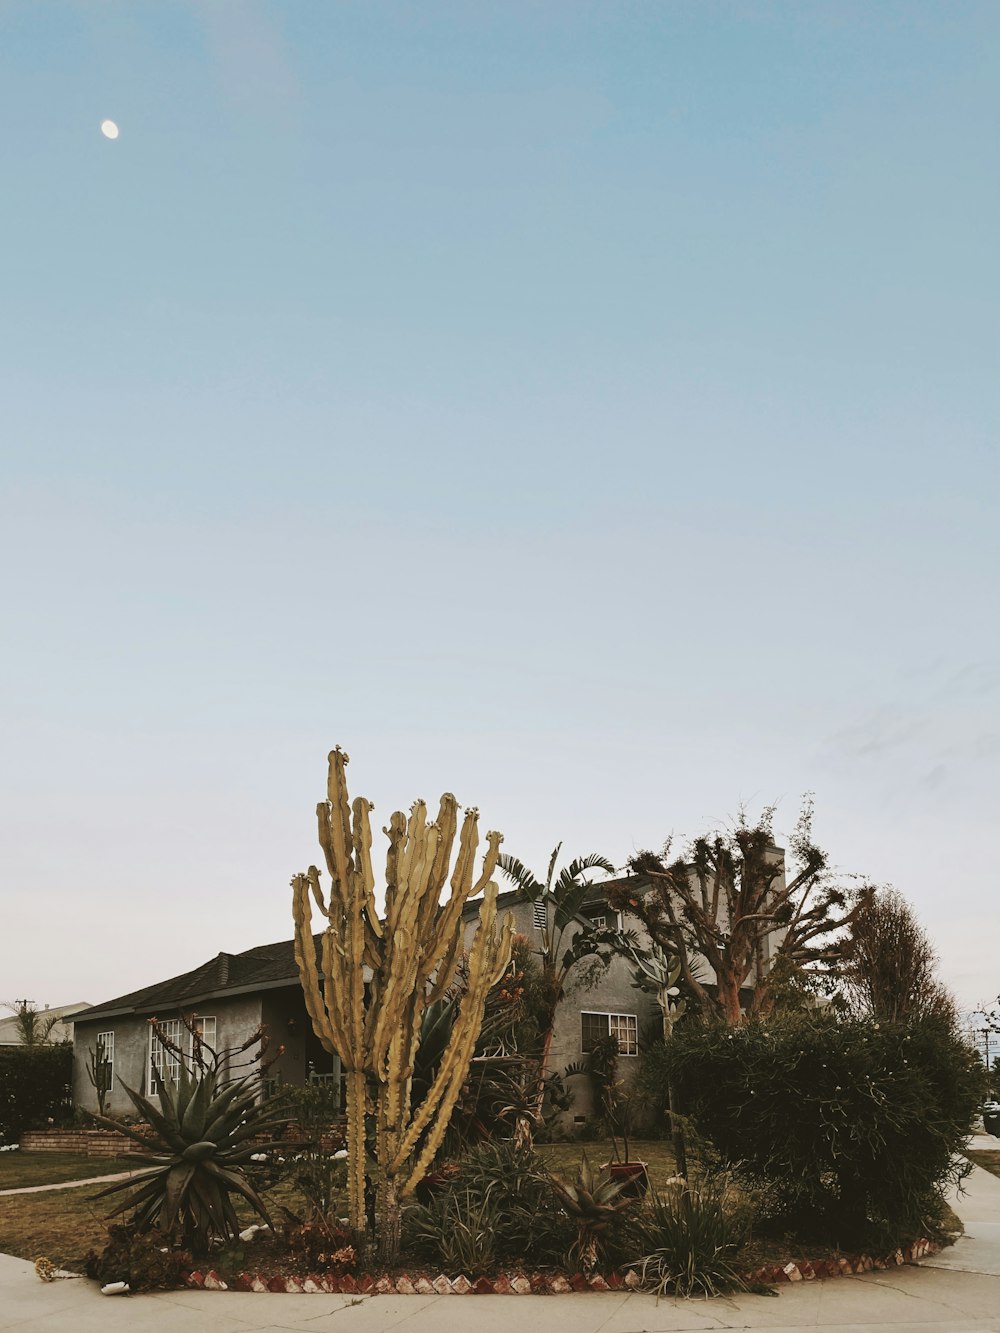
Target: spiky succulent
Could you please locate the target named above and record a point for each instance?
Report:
(202, 1138)
(592, 1204)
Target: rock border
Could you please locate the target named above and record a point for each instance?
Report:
(539, 1284)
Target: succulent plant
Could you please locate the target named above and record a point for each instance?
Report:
(592, 1204)
(202, 1137)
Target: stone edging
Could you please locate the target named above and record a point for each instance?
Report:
(521, 1284)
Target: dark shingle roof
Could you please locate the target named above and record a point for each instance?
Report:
(264, 966)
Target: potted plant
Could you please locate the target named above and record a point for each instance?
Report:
(617, 1102)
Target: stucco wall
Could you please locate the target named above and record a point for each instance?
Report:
(235, 1019)
(612, 993)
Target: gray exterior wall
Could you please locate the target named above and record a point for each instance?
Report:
(236, 1017)
(613, 993)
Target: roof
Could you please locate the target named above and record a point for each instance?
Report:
(264, 967)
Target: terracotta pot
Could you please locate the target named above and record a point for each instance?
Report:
(634, 1174)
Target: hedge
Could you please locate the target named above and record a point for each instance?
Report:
(847, 1132)
(35, 1088)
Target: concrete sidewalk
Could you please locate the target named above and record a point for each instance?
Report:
(957, 1292)
(70, 1184)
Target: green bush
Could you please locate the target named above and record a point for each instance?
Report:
(848, 1132)
(35, 1088)
(499, 1187)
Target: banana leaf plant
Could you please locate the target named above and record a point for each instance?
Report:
(203, 1136)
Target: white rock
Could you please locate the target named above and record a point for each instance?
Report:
(115, 1289)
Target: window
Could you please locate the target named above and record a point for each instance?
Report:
(623, 1026)
(164, 1061)
(601, 916)
(538, 914)
(105, 1063)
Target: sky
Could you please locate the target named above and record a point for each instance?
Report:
(587, 408)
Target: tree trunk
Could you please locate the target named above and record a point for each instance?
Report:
(728, 998)
(676, 1128)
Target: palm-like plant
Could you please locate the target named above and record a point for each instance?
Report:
(592, 1204)
(560, 899)
(203, 1136)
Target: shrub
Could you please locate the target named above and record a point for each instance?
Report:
(689, 1238)
(35, 1088)
(457, 1229)
(325, 1246)
(145, 1260)
(848, 1130)
(506, 1186)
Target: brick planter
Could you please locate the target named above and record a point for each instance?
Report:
(86, 1142)
(523, 1284)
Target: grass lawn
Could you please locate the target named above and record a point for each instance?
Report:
(988, 1158)
(18, 1169)
(61, 1224)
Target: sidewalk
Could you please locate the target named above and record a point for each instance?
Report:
(69, 1185)
(956, 1292)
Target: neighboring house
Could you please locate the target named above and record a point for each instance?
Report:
(233, 994)
(62, 1029)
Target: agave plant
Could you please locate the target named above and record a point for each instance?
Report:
(202, 1137)
(593, 1205)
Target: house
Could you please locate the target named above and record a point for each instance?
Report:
(233, 994)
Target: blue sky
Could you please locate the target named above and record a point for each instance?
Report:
(587, 408)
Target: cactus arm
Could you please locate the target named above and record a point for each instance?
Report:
(488, 958)
(335, 821)
(363, 860)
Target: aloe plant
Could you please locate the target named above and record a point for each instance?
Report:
(203, 1133)
(592, 1204)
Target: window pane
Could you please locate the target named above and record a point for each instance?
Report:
(592, 1028)
(626, 1028)
(105, 1060)
(166, 1062)
(205, 1028)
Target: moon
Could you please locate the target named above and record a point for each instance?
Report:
(109, 129)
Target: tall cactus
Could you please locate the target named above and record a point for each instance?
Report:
(411, 955)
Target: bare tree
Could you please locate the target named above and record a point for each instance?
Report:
(34, 1025)
(890, 966)
(728, 902)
